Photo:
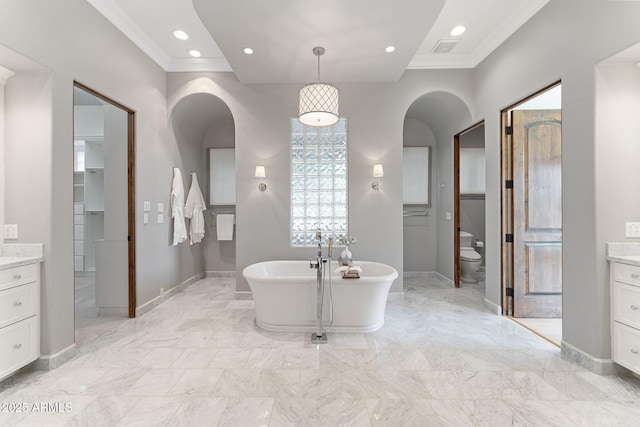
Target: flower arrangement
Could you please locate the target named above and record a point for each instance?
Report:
(346, 258)
(344, 240)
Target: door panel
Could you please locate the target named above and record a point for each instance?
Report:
(537, 223)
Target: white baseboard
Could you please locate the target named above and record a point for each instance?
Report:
(221, 274)
(113, 311)
(427, 275)
(598, 366)
(46, 363)
(396, 296)
(244, 295)
(493, 307)
(146, 307)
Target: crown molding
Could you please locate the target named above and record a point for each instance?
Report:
(113, 13)
(5, 74)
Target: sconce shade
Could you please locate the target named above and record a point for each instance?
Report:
(260, 172)
(378, 172)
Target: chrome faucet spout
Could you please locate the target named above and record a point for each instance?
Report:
(319, 237)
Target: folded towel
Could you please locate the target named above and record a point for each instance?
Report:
(224, 224)
(347, 269)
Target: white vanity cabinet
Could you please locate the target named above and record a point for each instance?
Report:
(625, 313)
(19, 315)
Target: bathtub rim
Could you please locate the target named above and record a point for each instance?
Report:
(248, 274)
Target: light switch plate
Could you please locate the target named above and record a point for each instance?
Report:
(10, 231)
(160, 218)
(145, 218)
(632, 229)
(147, 205)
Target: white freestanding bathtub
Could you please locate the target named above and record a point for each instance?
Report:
(285, 294)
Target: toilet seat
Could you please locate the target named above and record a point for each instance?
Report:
(468, 254)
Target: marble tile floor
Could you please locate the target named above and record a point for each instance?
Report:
(440, 359)
(89, 323)
(551, 329)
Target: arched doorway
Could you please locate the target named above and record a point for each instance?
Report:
(205, 129)
(431, 121)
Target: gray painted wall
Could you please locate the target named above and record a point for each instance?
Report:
(419, 232)
(40, 147)
(582, 33)
(219, 255)
(376, 115)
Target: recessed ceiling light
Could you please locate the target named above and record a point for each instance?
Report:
(180, 35)
(247, 50)
(195, 53)
(458, 30)
(389, 49)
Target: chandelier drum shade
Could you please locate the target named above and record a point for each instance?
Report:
(319, 102)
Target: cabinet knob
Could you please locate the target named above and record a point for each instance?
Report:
(634, 350)
(635, 276)
(19, 346)
(17, 276)
(634, 307)
(19, 303)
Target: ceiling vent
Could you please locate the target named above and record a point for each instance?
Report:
(445, 46)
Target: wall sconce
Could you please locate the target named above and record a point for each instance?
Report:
(260, 173)
(378, 172)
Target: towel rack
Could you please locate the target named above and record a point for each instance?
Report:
(415, 213)
(214, 214)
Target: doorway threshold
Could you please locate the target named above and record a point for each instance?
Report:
(546, 328)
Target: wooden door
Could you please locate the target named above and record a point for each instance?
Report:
(537, 220)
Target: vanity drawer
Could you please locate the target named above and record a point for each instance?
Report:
(19, 275)
(626, 347)
(18, 303)
(627, 274)
(19, 345)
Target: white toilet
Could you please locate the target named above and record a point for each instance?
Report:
(470, 260)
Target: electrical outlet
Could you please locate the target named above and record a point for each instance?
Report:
(160, 207)
(147, 206)
(161, 291)
(632, 229)
(10, 231)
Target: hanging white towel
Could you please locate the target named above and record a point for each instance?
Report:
(177, 208)
(224, 224)
(193, 209)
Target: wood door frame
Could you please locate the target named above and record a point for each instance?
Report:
(131, 217)
(506, 202)
(456, 201)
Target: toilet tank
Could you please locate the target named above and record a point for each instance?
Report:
(466, 239)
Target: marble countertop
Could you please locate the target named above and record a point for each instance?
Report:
(627, 253)
(625, 259)
(17, 261)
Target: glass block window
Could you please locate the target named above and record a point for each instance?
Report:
(318, 182)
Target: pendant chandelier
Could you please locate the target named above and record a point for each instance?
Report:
(319, 102)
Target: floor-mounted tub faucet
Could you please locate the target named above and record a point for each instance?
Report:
(319, 337)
